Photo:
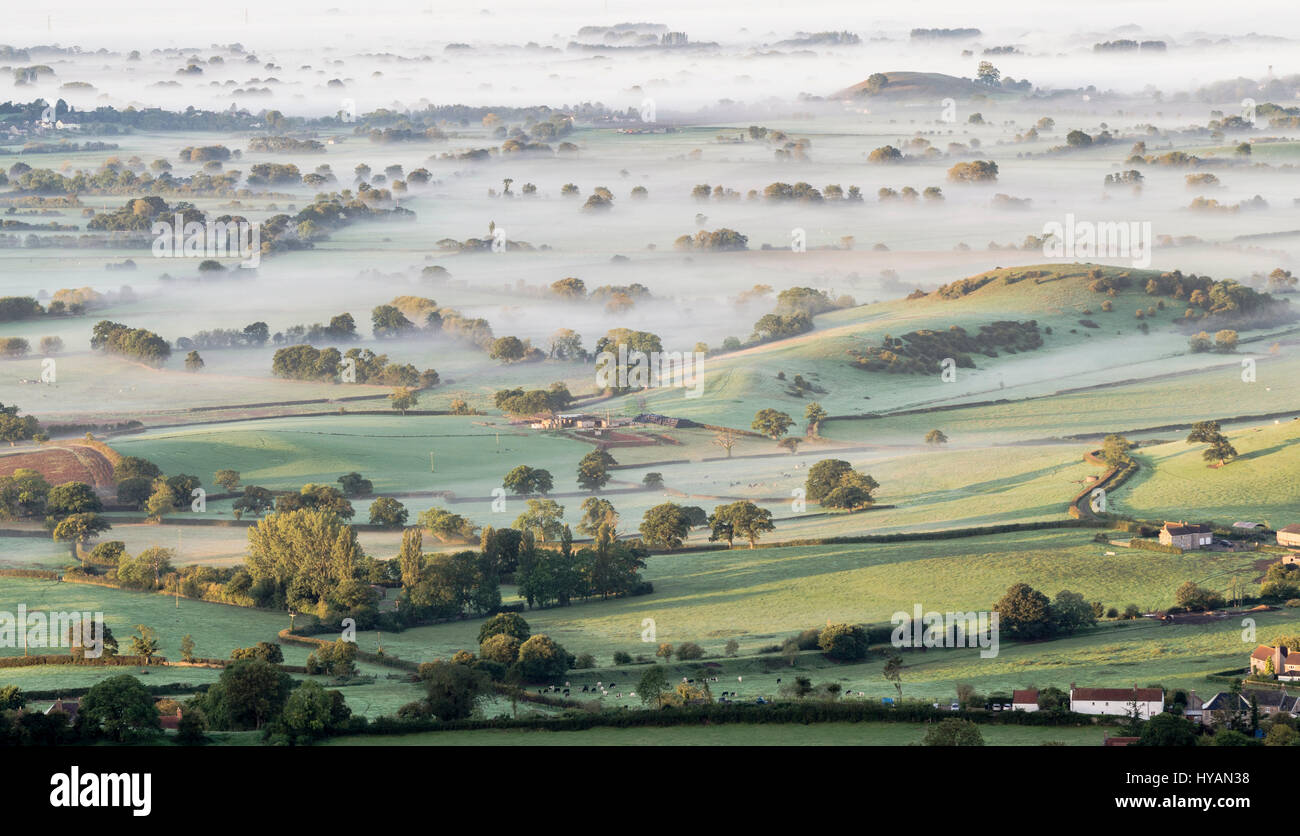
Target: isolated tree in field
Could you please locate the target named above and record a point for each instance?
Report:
(446, 524)
(893, 671)
(388, 512)
(1191, 596)
(507, 623)
(542, 659)
(664, 651)
(953, 732)
(791, 444)
(403, 399)
(740, 519)
(193, 362)
(507, 349)
(1071, 612)
(544, 518)
(814, 415)
(145, 643)
(595, 513)
(772, 423)
(187, 648)
(524, 480)
(653, 480)
(1208, 432)
(988, 74)
(354, 484)
(593, 470)
(835, 484)
(652, 686)
(228, 479)
(1225, 341)
(726, 439)
(248, 694)
(77, 529)
(935, 437)
(134, 467)
(665, 526)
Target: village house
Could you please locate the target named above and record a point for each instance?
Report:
(1185, 536)
(1289, 536)
(1025, 700)
(1275, 661)
(1117, 701)
(1269, 700)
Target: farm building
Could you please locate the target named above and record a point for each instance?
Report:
(1186, 536)
(571, 421)
(1117, 701)
(1289, 536)
(1026, 700)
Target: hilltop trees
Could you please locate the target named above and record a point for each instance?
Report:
(1208, 432)
(935, 438)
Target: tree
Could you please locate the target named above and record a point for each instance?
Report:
(593, 470)
(541, 659)
(388, 513)
(544, 518)
(79, 528)
(595, 513)
(134, 467)
(506, 623)
(814, 415)
(387, 322)
(843, 642)
(187, 648)
(665, 526)
(228, 479)
(1208, 432)
(255, 500)
(1070, 612)
(772, 423)
(501, 647)
(119, 708)
(309, 713)
(953, 732)
(354, 484)
(740, 519)
(1191, 596)
(403, 399)
(935, 437)
(652, 686)
(72, 498)
(653, 480)
(145, 643)
(1024, 613)
(193, 362)
(893, 671)
(1115, 450)
(161, 501)
(988, 74)
(726, 439)
(507, 349)
(731, 648)
(248, 694)
(524, 480)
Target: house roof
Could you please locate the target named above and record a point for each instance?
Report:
(1120, 741)
(1176, 529)
(1247, 525)
(1271, 698)
(1028, 695)
(1117, 694)
(1223, 701)
(1290, 529)
(1263, 653)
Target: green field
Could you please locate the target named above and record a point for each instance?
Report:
(820, 734)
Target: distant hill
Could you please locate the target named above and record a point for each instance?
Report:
(910, 85)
